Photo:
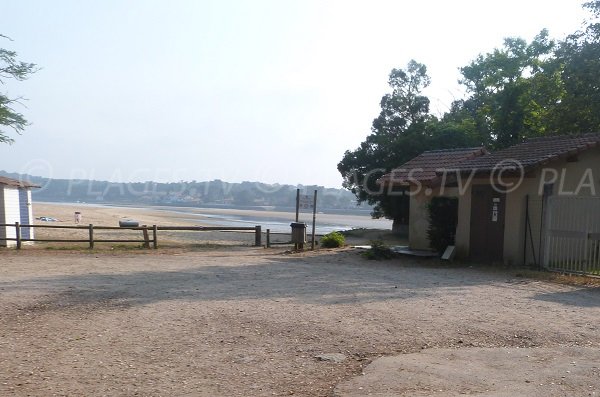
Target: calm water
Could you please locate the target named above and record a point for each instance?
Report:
(325, 223)
(278, 221)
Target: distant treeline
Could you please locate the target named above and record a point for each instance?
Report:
(182, 193)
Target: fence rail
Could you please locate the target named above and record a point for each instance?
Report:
(147, 241)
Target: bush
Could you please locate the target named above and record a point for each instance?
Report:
(333, 240)
(443, 218)
(378, 251)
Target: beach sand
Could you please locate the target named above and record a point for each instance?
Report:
(110, 216)
(104, 216)
(183, 216)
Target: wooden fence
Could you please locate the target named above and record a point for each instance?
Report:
(146, 230)
(270, 242)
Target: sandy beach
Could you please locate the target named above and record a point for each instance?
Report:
(106, 216)
(182, 216)
(110, 216)
(208, 216)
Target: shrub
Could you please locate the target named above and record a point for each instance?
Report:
(333, 240)
(378, 251)
(443, 218)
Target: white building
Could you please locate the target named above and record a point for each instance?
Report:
(15, 206)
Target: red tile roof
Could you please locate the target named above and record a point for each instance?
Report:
(16, 183)
(426, 167)
(532, 153)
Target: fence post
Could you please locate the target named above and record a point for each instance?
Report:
(314, 224)
(154, 233)
(268, 238)
(91, 229)
(257, 236)
(18, 234)
(547, 204)
(146, 237)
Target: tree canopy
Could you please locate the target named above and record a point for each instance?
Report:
(12, 68)
(404, 128)
(520, 90)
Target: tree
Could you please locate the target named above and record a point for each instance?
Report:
(393, 140)
(11, 68)
(403, 130)
(513, 90)
(533, 89)
(518, 91)
(578, 58)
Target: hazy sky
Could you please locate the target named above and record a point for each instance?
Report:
(271, 91)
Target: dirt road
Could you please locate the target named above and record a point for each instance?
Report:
(246, 321)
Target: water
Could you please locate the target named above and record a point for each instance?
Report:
(278, 220)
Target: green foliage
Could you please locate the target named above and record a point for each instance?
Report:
(403, 130)
(378, 251)
(511, 89)
(578, 58)
(533, 89)
(333, 240)
(443, 218)
(11, 68)
(182, 193)
(394, 136)
(521, 90)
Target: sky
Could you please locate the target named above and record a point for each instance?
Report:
(260, 90)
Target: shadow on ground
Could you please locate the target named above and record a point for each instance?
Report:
(582, 297)
(333, 278)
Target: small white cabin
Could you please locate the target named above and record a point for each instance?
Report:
(15, 206)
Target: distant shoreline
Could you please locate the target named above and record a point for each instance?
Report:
(277, 221)
(336, 211)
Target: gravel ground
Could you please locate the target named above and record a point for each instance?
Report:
(251, 322)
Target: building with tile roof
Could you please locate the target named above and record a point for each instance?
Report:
(502, 196)
(428, 167)
(532, 153)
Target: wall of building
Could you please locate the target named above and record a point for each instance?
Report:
(2, 228)
(571, 178)
(26, 213)
(419, 220)
(9, 213)
(419, 214)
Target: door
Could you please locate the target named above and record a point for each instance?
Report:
(487, 224)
